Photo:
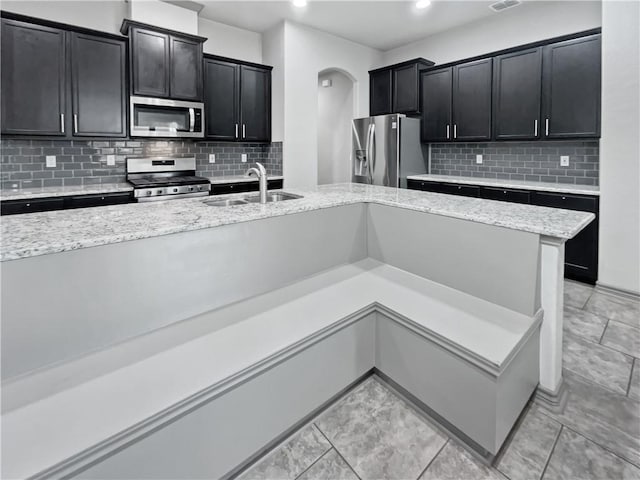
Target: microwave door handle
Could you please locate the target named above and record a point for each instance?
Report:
(192, 119)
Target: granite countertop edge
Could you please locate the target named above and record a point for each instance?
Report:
(35, 234)
(518, 184)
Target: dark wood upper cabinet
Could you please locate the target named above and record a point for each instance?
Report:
(164, 63)
(406, 90)
(472, 100)
(149, 63)
(255, 103)
(571, 88)
(186, 69)
(98, 72)
(237, 100)
(33, 79)
(517, 85)
(221, 97)
(380, 94)
(436, 105)
(396, 88)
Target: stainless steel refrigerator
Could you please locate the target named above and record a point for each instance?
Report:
(385, 149)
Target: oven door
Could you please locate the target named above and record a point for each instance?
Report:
(159, 117)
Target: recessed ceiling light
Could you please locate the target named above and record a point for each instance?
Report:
(423, 3)
(300, 3)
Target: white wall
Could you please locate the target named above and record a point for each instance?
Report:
(105, 16)
(164, 15)
(273, 54)
(229, 41)
(526, 23)
(307, 52)
(619, 265)
(335, 112)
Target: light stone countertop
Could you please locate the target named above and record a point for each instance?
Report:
(521, 184)
(46, 192)
(44, 233)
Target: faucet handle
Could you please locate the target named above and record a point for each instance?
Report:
(263, 171)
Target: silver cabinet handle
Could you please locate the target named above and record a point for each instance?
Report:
(535, 127)
(455, 131)
(447, 131)
(62, 122)
(75, 123)
(244, 133)
(547, 127)
(236, 130)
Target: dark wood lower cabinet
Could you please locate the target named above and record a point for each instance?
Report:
(505, 194)
(581, 252)
(240, 187)
(13, 207)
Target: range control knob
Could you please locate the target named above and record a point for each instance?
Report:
(175, 190)
(191, 189)
(159, 192)
(148, 192)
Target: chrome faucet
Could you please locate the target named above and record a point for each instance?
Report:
(260, 172)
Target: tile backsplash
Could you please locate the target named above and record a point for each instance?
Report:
(84, 162)
(532, 161)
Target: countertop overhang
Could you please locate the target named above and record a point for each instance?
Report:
(45, 233)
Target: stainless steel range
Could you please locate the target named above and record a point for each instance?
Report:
(164, 178)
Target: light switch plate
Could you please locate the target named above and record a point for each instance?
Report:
(111, 160)
(478, 159)
(51, 161)
(212, 158)
(564, 160)
(244, 158)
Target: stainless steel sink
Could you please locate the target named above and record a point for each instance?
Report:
(273, 197)
(225, 203)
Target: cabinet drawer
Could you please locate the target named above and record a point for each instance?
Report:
(13, 207)
(463, 190)
(414, 184)
(240, 187)
(563, 200)
(505, 194)
(98, 200)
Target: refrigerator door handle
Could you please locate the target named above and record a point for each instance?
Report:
(372, 150)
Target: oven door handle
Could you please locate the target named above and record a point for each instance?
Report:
(192, 119)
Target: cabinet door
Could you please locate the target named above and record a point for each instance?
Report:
(517, 88)
(98, 200)
(571, 88)
(255, 104)
(150, 67)
(380, 94)
(436, 105)
(406, 98)
(221, 97)
(186, 69)
(472, 101)
(98, 72)
(33, 79)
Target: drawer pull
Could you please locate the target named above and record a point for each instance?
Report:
(28, 204)
(504, 191)
(564, 198)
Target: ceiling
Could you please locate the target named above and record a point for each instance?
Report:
(379, 24)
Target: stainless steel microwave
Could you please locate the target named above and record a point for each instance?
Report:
(161, 117)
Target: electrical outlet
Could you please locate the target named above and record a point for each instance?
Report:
(564, 160)
(478, 159)
(111, 160)
(212, 158)
(51, 161)
(244, 158)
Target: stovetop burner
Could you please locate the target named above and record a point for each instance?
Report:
(158, 181)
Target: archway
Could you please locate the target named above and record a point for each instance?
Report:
(335, 113)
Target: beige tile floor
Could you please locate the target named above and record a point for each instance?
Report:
(372, 433)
